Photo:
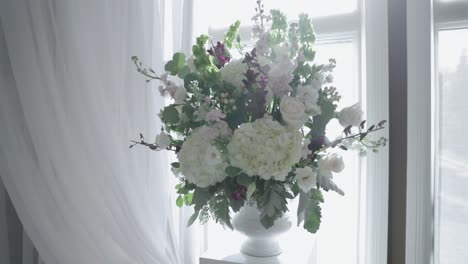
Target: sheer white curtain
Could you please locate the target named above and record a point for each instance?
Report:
(70, 100)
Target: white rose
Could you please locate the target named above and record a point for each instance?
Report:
(309, 96)
(306, 178)
(293, 112)
(351, 116)
(333, 162)
(163, 140)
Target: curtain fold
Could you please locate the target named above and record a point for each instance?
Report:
(70, 101)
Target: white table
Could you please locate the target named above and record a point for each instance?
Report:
(299, 247)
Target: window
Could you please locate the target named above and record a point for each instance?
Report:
(437, 146)
(451, 143)
(348, 222)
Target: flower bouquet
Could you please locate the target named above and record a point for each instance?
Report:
(252, 131)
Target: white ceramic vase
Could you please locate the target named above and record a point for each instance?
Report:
(260, 242)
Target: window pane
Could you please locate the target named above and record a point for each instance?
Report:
(339, 229)
(452, 155)
(220, 14)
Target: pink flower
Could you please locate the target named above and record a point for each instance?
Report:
(214, 115)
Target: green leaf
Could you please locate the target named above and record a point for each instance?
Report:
(313, 220)
(309, 210)
(232, 171)
(193, 218)
(230, 36)
(201, 196)
(176, 64)
(279, 20)
(175, 165)
(317, 195)
(184, 71)
(244, 179)
(220, 208)
(179, 201)
(188, 199)
(272, 202)
(170, 115)
(251, 189)
(306, 30)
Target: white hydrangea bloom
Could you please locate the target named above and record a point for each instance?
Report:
(233, 73)
(265, 148)
(201, 162)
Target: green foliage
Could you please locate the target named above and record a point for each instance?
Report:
(202, 60)
(279, 26)
(279, 20)
(176, 64)
(306, 30)
(193, 218)
(319, 124)
(251, 189)
(219, 205)
(272, 202)
(170, 115)
(188, 199)
(232, 34)
(232, 171)
(179, 201)
(200, 198)
(244, 180)
(309, 210)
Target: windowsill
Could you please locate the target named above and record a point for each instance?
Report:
(299, 247)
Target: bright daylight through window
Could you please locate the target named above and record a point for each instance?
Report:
(452, 147)
(341, 217)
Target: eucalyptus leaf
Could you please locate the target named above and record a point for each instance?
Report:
(179, 201)
(193, 218)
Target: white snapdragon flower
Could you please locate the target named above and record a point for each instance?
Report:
(283, 59)
(233, 73)
(293, 112)
(331, 163)
(265, 148)
(351, 116)
(309, 96)
(306, 178)
(278, 81)
(262, 46)
(201, 162)
(317, 81)
(163, 140)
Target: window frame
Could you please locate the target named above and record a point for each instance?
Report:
(425, 20)
(367, 27)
